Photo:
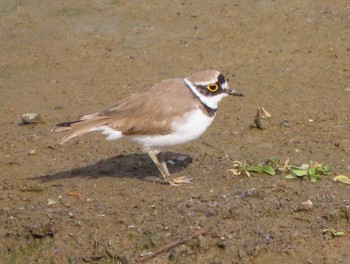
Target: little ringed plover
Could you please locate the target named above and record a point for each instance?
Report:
(168, 113)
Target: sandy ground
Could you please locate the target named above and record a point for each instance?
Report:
(96, 201)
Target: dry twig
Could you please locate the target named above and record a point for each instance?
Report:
(171, 245)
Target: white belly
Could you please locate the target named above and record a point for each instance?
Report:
(188, 128)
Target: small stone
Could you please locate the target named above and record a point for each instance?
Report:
(59, 107)
(260, 117)
(31, 118)
(203, 243)
(170, 162)
(181, 158)
(305, 206)
(229, 236)
(41, 230)
(250, 193)
(222, 244)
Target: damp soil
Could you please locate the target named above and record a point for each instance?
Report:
(96, 201)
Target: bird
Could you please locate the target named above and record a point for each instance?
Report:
(168, 113)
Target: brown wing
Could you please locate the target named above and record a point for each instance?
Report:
(149, 112)
(144, 113)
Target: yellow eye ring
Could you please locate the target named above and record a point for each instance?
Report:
(213, 87)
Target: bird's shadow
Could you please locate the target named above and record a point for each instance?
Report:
(132, 165)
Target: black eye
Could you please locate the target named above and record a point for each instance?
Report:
(213, 87)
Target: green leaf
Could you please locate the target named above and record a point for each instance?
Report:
(290, 176)
(299, 172)
(257, 169)
(313, 179)
(32, 152)
(325, 169)
(342, 178)
(336, 233)
(312, 172)
(269, 170)
(273, 160)
(50, 202)
(304, 166)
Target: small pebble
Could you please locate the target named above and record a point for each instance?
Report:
(170, 162)
(31, 118)
(59, 107)
(305, 206)
(181, 158)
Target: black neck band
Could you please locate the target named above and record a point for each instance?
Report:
(211, 111)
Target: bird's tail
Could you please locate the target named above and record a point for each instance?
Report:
(79, 127)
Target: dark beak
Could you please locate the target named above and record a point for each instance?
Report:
(234, 92)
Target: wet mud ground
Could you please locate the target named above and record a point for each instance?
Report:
(96, 201)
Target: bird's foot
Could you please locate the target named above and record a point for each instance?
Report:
(179, 181)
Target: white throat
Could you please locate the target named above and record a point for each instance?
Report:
(211, 101)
